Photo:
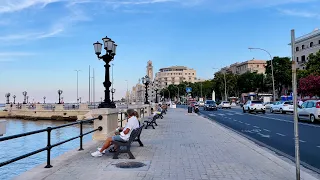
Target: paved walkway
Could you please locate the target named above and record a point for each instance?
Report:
(183, 146)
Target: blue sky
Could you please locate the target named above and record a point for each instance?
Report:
(44, 41)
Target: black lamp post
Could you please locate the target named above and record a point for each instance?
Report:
(146, 82)
(24, 93)
(44, 99)
(156, 90)
(59, 93)
(80, 99)
(110, 48)
(27, 99)
(7, 95)
(113, 90)
(14, 99)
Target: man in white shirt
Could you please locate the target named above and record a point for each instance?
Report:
(124, 135)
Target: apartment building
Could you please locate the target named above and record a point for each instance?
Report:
(306, 45)
(175, 75)
(254, 65)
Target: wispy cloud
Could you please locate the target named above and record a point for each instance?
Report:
(12, 56)
(299, 13)
(9, 6)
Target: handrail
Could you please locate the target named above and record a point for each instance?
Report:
(49, 145)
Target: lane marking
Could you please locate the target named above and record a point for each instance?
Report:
(211, 114)
(229, 114)
(300, 140)
(280, 134)
(256, 126)
(247, 124)
(266, 130)
(240, 122)
(221, 114)
(235, 120)
(318, 146)
(264, 135)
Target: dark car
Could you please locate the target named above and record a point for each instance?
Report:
(210, 105)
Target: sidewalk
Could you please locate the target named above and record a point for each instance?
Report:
(183, 146)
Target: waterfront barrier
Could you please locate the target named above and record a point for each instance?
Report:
(2, 127)
(49, 145)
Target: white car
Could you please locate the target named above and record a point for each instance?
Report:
(201, 103)
(268, 104)
(282, 107)
(225, 104)
(254, 106)
(309, 110)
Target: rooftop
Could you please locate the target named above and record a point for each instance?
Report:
(175, 67)
(314, 33)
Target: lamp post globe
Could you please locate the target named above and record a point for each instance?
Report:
(110, 48)
(59, 93)
(146, 82)
(7, 95)
(113, 90)
(44, 99)
(14, 99)
(24, 93)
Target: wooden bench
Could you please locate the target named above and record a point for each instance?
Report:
(134, 136)
(151, 121)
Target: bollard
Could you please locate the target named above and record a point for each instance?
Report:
(3, 124)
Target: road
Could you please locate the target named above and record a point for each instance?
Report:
(273, 130)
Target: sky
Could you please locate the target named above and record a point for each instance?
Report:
(43, 42)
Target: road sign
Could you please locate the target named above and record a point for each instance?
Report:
(188, 89)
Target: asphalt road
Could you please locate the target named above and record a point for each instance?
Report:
(273, 130)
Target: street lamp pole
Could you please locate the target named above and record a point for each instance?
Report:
(44, 99)
(7, 95)
(59, 93)
(110, 48)
(146, 82)
(77, 85)
(272, 75)
(24, 93)
(14, 99)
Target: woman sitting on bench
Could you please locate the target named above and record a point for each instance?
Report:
(124, 135)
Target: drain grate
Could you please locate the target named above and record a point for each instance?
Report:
(129, 165)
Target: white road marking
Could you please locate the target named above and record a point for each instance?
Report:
(240, 122)
(300, 140)
(256, 126)
(280, 134)
(212, 115)
(221, 114)
(318, 146)
(247, 124)
(235, 120)
(266, 130)
(229, 114)
(264, 135)
(238, 113)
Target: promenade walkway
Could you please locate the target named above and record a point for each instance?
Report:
(183, 146)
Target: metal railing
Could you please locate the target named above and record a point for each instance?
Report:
(49, 145)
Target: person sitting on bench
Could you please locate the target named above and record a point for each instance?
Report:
(159, 110)
(124, 136)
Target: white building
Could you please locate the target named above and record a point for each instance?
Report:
(306, 45)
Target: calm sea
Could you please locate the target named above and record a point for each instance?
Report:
(16, 147)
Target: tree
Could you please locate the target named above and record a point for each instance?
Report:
(309, 86)
(313, 64)
(282, 73)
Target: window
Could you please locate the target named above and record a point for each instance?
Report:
(297, 59)
(303, 58)
(302, 46)
(192, 73)
(297, 48)
(258, 65)
(311, 44)
(310, 104)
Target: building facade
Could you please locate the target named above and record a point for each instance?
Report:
(258, 66)
(306, 45)
(175, 75)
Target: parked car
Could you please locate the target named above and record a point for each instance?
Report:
(201, 103)
(254, 106)
(210, 105)
(268, 104)
(225, 104)
(282, 107)
(309, 110)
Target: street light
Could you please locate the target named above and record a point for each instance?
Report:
(77, 84)
(271, 60)
(156, 90)
(59, 93)
(24, 93)
(80, 100)
(7, 95)
(44, 99)
(110, 48)
(113, 90)
(146, 82)
(27, 99)
(14, 99)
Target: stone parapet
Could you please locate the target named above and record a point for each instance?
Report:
(108, 123)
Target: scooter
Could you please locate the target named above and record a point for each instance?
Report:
(196, 108)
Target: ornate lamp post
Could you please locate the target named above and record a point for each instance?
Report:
(80, 99)
(59, 93)
(27, 99)
(24, 93)
(14, 99)
(7, 95)
(113, 90)
(146, 82)
(110, 48)
(44, 99)
(62, 100)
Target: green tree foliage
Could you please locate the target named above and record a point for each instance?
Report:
(313, 64)
(282, 72)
